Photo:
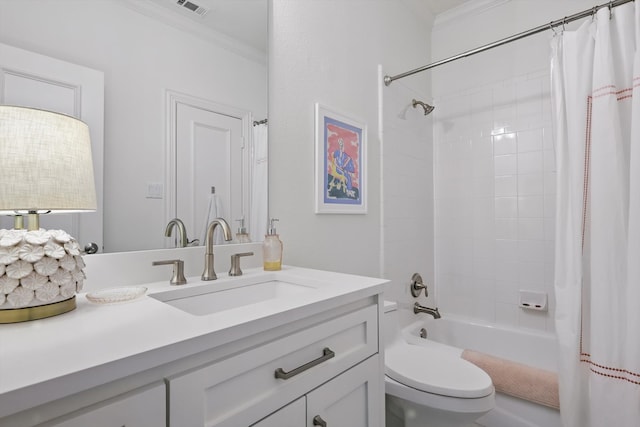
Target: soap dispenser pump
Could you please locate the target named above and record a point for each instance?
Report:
(242, 236)
(272, 249)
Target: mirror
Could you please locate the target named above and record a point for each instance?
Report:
(213, 54)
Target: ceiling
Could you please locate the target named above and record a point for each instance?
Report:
(243, 20)
(246, 20)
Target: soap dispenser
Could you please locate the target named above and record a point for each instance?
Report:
(272, 249)
(242, 236)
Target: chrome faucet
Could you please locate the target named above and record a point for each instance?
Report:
(417, 308)
(209, 272)
(183, 241)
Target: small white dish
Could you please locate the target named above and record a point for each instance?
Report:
(115, 295)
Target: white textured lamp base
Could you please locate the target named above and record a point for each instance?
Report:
(40, 273)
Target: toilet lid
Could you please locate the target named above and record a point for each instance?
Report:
(432, 371)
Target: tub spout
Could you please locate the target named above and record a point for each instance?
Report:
(417, 308)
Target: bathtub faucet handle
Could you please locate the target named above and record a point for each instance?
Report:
(417, 286)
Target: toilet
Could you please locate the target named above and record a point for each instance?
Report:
(427, 384)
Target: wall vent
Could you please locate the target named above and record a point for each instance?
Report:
(192, 7)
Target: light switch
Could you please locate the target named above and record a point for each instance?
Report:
(155, 190)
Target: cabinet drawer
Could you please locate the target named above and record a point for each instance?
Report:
(241, 389)
(139, 408)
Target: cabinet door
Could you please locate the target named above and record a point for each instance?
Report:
(292, 415)
(144, 408)
(352, 399)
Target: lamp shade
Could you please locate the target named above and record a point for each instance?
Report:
(45, 162)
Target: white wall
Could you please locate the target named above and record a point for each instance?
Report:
(407, 190)
(329, 52)
(494, 161)
(141, 57)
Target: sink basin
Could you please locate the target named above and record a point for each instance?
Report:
(209, 301)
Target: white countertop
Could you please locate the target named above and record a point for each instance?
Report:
(47, 359)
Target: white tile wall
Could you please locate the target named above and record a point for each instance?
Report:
(495, 198)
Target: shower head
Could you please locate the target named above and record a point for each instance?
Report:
(427, 108)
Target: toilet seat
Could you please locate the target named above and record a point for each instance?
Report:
(436, 372)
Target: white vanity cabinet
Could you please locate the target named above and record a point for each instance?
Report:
(333, 363)
(279, 362)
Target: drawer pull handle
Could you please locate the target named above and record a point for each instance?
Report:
(318, 421)
(327, 354)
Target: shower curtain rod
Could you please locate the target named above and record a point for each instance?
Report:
(536, 30)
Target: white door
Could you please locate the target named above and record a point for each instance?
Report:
(29, 79)
(209, 153)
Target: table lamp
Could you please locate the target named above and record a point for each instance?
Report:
(45, 167)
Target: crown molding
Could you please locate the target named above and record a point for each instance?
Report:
(464, 10)
(182, 23)
(421, 8)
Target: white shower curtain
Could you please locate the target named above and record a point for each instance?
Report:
(259, 184)
(596, 99)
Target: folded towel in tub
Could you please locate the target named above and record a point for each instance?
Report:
(516, 379)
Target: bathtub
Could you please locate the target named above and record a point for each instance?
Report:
(533, 348)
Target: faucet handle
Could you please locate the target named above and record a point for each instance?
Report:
(417, 286)
(177, 278)
(235, 263)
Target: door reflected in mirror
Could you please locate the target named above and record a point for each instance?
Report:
(148, 49)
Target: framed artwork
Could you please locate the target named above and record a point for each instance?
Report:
(341, 163)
